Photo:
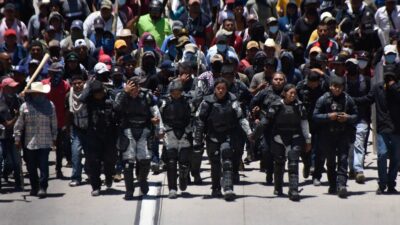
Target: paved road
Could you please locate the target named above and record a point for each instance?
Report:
(255, 204)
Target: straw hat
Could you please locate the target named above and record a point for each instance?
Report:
(39, 87)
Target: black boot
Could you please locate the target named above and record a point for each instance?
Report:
(129, 185)
(195, 165)
(172, 175)
(279, 169)
(183, 175)
(143, 173)
(294, 180)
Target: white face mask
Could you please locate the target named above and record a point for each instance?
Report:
(362, 64)
(349, 50)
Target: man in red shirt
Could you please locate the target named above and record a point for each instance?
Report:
(57, 94)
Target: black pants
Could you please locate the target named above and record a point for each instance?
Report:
(63, 148)
(221, 155)
(174, 158)
(292, 146)
(101, 149)
(38, 159)
(332, 146)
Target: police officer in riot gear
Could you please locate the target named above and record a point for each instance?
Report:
(288, 119)
(138, 112)
(336, 113)
(243, 95)
(100, 134)
(259, 105)
(219, 116)
(175, 111)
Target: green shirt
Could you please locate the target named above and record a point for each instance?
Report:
(159, 30)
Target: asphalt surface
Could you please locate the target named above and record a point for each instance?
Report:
(255, 203)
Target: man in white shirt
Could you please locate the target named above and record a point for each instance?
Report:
(10, 22)
(388, 23)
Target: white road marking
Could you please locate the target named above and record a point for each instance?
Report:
(148, 208)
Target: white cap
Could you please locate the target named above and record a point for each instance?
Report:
(390, 49)
(324, 15)
(80, 43)
(352, 60)
(100, 68)
(270, 43)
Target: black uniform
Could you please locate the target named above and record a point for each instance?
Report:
(220, 119)
(176, 115)
(289, 130)
(135, 131)
(101, 137)
(334, 138)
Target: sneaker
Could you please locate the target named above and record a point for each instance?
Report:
(74, 183)
(95, 193)
(172, 194)
(294, 195)
(316, 182)
(342, 192)
(42, 193)
(155, 167)
(360, 178)
(229, 195)
(117, 177)
(215, 193)
(392, 190)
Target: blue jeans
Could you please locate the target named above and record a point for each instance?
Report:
(38, 159)
(357, 151)
(388, 147)
(78, 144)
(7, 149)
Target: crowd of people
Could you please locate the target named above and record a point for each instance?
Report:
(135, 86)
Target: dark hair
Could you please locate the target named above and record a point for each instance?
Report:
(286, 88)
(279, 73)
(219, 81)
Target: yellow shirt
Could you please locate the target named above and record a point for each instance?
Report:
(281, 6)
(314, 36)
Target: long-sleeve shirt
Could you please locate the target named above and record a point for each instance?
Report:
(40, 130)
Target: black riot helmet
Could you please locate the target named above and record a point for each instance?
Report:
(155, 9)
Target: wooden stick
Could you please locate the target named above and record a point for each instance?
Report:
(37, 71)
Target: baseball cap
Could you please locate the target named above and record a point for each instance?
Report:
(270, 43)
(167, 65)
(117, 70)
(352, 61)
(194, 1)
(10, 32)
(106, 59)
(182, 41)
(336, 80)
(340, 58)
(106, 4)
(9, 6)
(100, 68)
(34, 62)
(315, 49)
(389, 70)
(271, 20)
(177, 25)
(119, 44)
(54, 43)
(98, 23)
(125, 33)
(77, 24)
(252, 44)
(216, 58)
(80, 43)
(390, 49)
(72, 56)
(8, 82)
(56, 67)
